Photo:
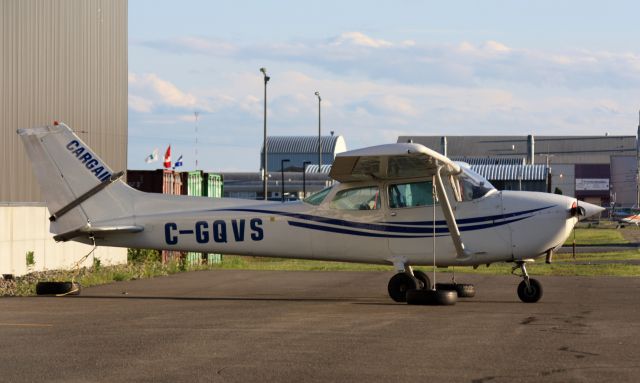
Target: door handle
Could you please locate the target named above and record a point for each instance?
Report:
(393, 214)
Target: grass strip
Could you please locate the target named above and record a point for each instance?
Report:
(564, 265)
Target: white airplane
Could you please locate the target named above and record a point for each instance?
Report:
(382, 211)
(631, 219)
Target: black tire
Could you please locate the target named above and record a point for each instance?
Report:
(57, 288)
(464, 290)
(446, 298)
(432, 297)
(399, 284)
(423, 278)
(531, 294)
(421, 297)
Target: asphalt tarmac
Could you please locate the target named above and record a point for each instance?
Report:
(262, 326)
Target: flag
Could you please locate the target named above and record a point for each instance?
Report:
(153, 157)
(167, 158)
(178, 162)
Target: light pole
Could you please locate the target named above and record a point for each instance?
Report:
(282, 175)
(319, 125)
(264, 144)
(304, 178)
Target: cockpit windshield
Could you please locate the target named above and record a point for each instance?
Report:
(473, 185)
(317, 198)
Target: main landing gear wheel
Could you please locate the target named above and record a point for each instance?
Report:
(58, 288)
(464, 290)
(432, 297)
(531, 293)
(529, 290)
(399, 284)
(423, 278)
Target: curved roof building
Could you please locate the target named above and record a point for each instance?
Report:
(300, 149)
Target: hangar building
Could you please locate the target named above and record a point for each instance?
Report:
(596, 169)
(61, 60)
(293, 154)
(300, 149)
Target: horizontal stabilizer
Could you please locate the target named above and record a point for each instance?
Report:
(88, 229)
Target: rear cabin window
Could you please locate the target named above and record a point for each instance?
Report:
(410, 194)
(366, 198)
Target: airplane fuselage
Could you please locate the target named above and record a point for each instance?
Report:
(500, 226)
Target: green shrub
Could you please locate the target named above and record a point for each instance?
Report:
(143, 255)
(30, 259)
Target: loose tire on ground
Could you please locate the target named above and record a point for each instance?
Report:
(423, 278)
(464, 290)
(57, 288)
(432, 297)
(399, 284)
(531, 294)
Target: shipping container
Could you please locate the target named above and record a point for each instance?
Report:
(149, 181)
(173, 256)
(171, 182)
(158, 181)
(215, 185)
(155, 181)
(196, 183)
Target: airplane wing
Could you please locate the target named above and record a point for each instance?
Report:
(391, 161)
(402, 161)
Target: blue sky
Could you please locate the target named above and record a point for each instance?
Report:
(383, 69)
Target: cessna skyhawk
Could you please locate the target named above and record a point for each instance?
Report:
(398, 204)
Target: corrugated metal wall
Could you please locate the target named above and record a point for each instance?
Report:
(61, 60)
(563, 149)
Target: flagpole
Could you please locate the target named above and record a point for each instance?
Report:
(196, 114)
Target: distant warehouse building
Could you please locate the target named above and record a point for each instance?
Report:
(596, 169)
(300, 149)
(291, 154)
(61, 60)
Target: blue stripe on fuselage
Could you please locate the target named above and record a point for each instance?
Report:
(426, 228)
(440, 232)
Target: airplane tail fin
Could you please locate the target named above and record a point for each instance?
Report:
(78, 187)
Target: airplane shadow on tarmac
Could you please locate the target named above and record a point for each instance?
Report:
(355, 301)
(257, 299)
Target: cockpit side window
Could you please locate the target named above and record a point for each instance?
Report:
(364, 198)
(411, 194)
(317, 198)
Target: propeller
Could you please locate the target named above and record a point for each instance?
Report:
(576, 211)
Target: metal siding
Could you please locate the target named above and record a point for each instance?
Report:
(562, 149)
(489, 160)
(623, 179)
(563, 177)
(512, 172)
(299, 149)
(61, 60)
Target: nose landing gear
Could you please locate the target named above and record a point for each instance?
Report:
(529, 290)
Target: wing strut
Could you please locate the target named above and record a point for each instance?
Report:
(450, 217)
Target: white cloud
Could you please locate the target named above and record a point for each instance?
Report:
(359, 39)
(374, 90)
(467, 64)
(494, 46)
(140, 104)
(148, 92)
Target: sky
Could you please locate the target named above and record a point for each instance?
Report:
(383, 69)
